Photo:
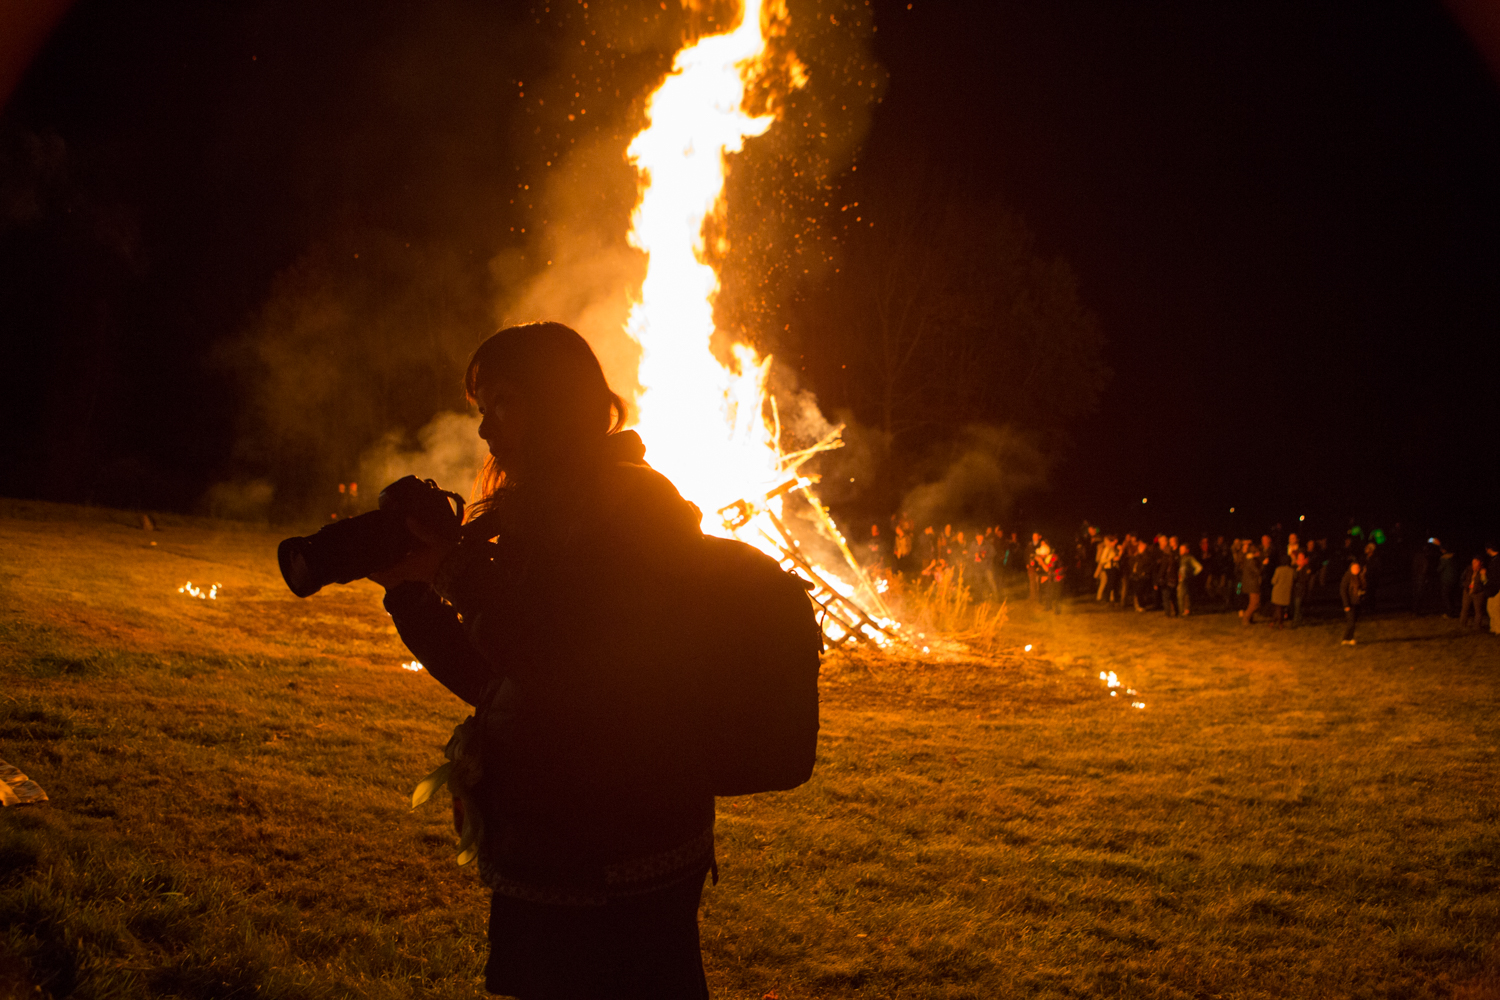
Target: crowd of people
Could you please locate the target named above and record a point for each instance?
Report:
(1271, 580)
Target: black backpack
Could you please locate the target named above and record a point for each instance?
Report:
(753, 677)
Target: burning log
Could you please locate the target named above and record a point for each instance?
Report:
(844, 620)
(792, 461)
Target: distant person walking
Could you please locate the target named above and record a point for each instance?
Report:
(1351, 592)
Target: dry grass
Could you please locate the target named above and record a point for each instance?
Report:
(1286, 817)
(940, 602)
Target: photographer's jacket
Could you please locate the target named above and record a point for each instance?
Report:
(564, 633)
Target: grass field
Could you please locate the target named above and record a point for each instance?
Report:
(1285, 817)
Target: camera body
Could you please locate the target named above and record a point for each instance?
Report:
(348, 550)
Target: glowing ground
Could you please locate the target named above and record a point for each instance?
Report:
(1286, 817)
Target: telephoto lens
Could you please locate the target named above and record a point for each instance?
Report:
(345, 551)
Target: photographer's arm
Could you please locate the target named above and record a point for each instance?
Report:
(433, 633)
(430, 627)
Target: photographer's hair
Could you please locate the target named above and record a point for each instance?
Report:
(570, 406)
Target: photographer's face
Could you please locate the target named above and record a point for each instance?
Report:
(502, 423)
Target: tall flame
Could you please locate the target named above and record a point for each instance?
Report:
(703, 423)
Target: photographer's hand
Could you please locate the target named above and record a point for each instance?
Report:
(420, 563)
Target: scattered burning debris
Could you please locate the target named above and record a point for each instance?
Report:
(191, 590)
(1112, 681)
(16, 789)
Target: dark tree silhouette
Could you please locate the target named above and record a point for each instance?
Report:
(944, 314)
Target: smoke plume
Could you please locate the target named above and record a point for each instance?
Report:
(448, 450)
(986, 469)
(511, 211)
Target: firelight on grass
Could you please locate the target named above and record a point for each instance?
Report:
(1210, 849)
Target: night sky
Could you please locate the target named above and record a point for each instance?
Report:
(1286, 218)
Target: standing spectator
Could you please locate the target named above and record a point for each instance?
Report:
(1281, 591)
(876, 559)
(1472, 589)
(1086, 555)
(1301, 585)
(1032, 582)
(1351, 592)
(927, 548)
(1010, 555)
(903, 529)
(1202, 583)
(1492, 587)
(1187, 568)
(1267, 561)
(1048, 569)
(982, 561)
(1221, 580)
(1423, 572)
(1166, 575)
(1448, 573)
(1250, 582)
(1108, 570)
(1140, 573)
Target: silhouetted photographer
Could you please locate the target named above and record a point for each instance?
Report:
(558, 612)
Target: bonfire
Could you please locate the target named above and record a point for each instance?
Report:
(711, 426)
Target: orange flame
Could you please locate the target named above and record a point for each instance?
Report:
(704, 423)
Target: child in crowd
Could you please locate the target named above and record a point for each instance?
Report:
(1281, 592)
(1351, 592)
